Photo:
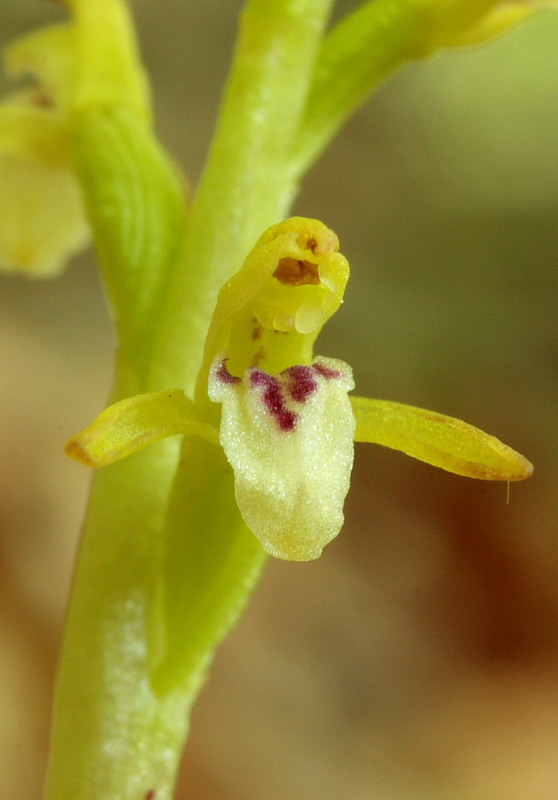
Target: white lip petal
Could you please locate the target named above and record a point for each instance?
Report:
(289, 439)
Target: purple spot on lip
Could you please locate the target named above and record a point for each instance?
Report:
(301, 383)
(326, 372)
(296, 384)
(224, 375)
(273, 399)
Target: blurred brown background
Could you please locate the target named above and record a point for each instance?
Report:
(417, 659)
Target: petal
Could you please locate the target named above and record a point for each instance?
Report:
(289, 439)
(133, 423)
(42, 215)
(42, 219)
(49, 55)
(34, 130)
(442, 441)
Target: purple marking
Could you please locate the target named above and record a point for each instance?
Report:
(301, 383)
(273, 399)
(224, 375)
(327, 372)
(296, 383)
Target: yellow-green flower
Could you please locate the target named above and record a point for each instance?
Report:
(90, 61)
(283, 417)
(42, 216)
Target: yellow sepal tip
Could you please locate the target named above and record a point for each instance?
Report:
(133, 423)
(442, 441)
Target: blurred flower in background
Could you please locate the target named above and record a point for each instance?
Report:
(417, 659)
(42, 214)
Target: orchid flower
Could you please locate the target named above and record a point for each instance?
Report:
(287, 423)
(171, 549)
(43, 219)
(87, 64)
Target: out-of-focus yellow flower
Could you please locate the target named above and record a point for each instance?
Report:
(89, 61)
(287, 424)
(42, 217)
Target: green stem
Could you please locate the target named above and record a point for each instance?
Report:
(165, 562)
(113, 737)
(144, 620)
(246, 186)
(211, 562)
(361, 51)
